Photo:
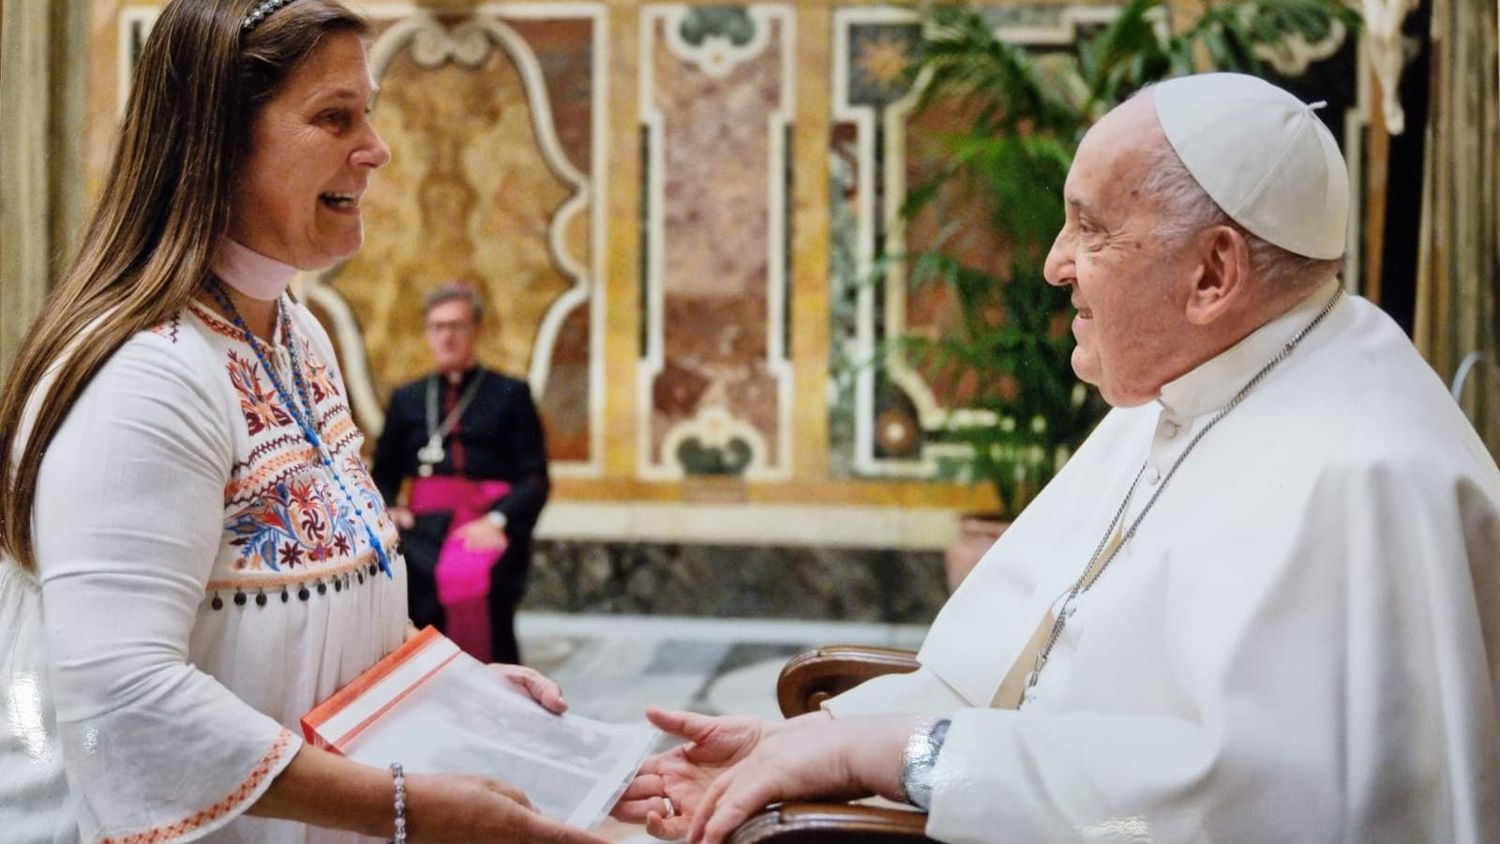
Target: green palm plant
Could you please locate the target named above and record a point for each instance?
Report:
(1023, 120)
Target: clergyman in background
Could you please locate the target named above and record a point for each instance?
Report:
(471, 441)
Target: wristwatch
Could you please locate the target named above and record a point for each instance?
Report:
(920, 759)
(497, 519)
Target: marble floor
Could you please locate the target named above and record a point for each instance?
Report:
(612, 667)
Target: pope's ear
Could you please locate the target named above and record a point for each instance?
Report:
(1223, 276)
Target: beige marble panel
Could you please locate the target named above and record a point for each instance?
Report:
(467, 194)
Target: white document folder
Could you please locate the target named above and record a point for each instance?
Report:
(435, 709)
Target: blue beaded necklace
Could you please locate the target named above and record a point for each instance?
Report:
(302, 412)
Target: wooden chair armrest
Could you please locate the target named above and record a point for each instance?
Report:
(815, 676)
(806, 823)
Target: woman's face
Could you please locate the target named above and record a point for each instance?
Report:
(296, 197)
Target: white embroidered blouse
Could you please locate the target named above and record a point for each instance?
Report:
(202, 582)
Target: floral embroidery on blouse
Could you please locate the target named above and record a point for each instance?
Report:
(260, 404)
(294, 523)
(366, 493)
(284, 514)
(319, 380)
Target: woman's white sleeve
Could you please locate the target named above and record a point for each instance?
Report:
(128, 520)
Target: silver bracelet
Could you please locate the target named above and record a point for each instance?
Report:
(399, 778)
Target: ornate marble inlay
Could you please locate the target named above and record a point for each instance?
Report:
(484, 187)
(890, 418)
(716, 102)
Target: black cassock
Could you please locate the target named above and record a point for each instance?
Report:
(497, 437)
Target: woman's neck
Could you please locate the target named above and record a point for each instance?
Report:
(254, 283)
(259, 315)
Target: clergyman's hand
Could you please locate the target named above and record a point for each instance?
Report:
(401, 517)
(482, 535)
(464, 809)
(835, 759)
(685, 772)
(542, 689)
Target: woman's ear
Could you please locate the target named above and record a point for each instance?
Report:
(1223, 276)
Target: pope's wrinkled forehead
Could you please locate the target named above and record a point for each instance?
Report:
(1135, 119)
(1114, 156)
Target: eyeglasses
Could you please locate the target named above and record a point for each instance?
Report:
(461, 326)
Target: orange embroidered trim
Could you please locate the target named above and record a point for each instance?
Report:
(169, 328)
(271, 469)
(215, 323)
(203, 817)
(339, 432)
(251, 583)
(265, 448)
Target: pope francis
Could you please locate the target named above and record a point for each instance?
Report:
(1261, 603)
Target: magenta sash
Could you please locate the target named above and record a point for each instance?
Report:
(463, 573)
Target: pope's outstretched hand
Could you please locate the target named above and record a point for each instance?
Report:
(732, 767)
(668, 787)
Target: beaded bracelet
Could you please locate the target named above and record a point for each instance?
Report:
(399, 778)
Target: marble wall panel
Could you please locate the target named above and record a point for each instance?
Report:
(895, 413)
(716, 107)
(473, 202)
(889, 420)
(492, 123)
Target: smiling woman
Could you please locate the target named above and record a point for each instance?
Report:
(202, 477)
(312, 153)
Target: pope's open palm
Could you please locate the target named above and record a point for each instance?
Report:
(684, 773)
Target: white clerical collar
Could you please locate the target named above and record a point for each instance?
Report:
(250, 272)
(1213, 383)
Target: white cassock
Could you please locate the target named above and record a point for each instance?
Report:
(1300, 643)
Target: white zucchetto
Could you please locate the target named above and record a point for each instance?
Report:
(1264, 157)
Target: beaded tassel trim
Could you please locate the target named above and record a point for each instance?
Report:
(244, 594)
(260, 13)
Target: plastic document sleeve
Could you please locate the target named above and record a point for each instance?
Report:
(435, 709)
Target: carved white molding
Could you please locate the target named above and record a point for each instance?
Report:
(715, 428)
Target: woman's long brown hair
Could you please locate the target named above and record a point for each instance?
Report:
(166, 202)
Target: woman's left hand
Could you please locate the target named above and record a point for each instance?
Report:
(534, 683)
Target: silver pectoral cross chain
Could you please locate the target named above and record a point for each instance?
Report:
(1086, 579)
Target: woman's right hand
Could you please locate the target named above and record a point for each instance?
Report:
(463, 809)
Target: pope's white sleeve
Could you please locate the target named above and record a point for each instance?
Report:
(1355, 700)
(920, 692)
(128, 519)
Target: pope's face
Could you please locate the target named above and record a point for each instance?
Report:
(1128, 285)
(451, 334)
(297, 193)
